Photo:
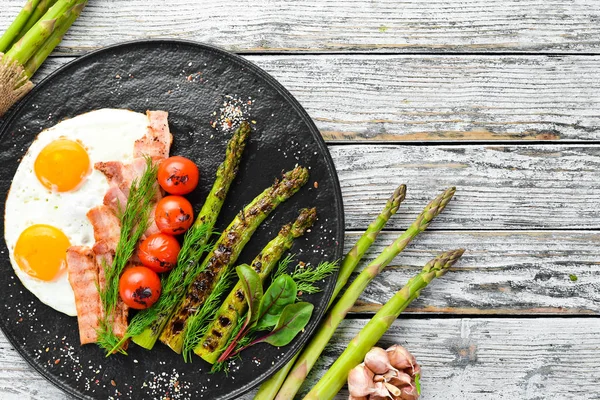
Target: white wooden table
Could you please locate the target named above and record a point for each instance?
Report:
(501, 99)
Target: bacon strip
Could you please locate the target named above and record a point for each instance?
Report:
(158, 139)
(83, 277)
(106, 225)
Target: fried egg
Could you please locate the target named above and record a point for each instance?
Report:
(54, 187)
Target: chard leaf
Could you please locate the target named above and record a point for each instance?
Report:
(253, 291)
(281, 293)
(292, 320)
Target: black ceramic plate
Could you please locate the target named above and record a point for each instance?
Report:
(192, 82)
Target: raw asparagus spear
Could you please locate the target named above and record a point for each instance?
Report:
(227, 249)
(37, 13)
(20, 21)
(355, 352)
(338, 312)
(268, 390)
(220, 330)
(22, 51)
(146, 326)
(66, 20)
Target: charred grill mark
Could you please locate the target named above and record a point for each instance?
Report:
(183, 216)
(257, 266)
(177, 326)
(240, 295)
(217, 333)
(177, 179)
(141, 295)
(224, 321)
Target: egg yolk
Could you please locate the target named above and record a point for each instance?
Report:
(62, 165)
(41, 251)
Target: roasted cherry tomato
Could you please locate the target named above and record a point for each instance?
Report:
(159, 252)
(178, 175)
(139, 287)
(173, 215)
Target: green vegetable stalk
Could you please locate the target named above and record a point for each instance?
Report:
(66, 20)
(37, 13)
(146, 326)
(20, 21)
(217, 334)
(35, 32)
(338, 312)
(336, 376)
(268, 390)
(227, 249)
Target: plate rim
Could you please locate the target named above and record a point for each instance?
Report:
(291, 100)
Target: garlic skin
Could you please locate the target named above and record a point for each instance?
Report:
(360, 381)
(385, 375)
(378, 361)
(400, 358)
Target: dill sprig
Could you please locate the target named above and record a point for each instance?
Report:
(134, 222)
(176, 283)
(197, 325)
(282, 267)
(306, 275)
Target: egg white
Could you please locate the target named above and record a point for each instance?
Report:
(107, 135)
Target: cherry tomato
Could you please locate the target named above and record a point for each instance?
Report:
(178, 175)
(173, 215)
(139, 287)
(159, 252)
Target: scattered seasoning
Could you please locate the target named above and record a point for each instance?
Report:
(316, 185)
(112, 382)
(232, 113)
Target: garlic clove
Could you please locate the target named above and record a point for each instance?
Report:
(401, 379)
(400, 358)
(378, 361)
(357, 398)
(360, 381)
(379, 378)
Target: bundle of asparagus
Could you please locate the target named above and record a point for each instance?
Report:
(29, 40)
(285, 384)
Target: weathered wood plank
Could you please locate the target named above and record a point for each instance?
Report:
(498, 187)
(500, 273)
(454, 98)
(349, 25)
(523, 358)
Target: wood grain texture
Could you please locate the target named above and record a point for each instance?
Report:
(498, 187)
(470, 359)
(341, 25)
(500, 273)
(428, 98)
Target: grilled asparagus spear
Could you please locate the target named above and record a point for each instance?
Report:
(219, 331)
(227, 249)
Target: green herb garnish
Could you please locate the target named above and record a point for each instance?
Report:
(134, 222)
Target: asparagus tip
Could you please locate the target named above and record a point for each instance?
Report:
(440, 264)
(398, 196)
(305, 220)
